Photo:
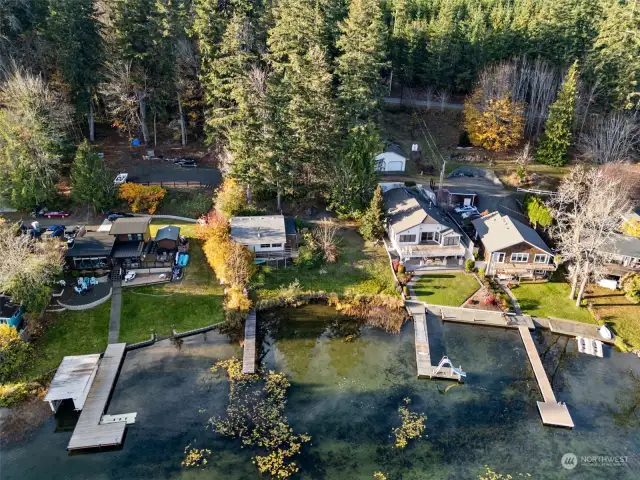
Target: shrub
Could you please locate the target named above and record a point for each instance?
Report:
(14, 353)
(141, 197)
(12, 394)
(489, 300)
(401, 269)
(372, 222)
(382, 311)
(405, 290)
(237, 300)
(630, 284)
(481, 272)
(395, 264)
(469, 265)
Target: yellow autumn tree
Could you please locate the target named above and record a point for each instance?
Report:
(494, 124)
(231, 198)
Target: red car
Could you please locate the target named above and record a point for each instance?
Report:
(60, 214)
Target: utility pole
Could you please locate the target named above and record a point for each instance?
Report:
(444, 164)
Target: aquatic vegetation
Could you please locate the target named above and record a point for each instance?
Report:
(412, 425)
(255, 415)
(379, 476)
(195, 457)
(383, 311)
(491, 475)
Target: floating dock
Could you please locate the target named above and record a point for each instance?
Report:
(481, 317)
(423, 355)
(90, 432)
(551, 412)
(249, 353)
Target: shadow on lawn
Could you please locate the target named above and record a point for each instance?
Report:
(528, 304)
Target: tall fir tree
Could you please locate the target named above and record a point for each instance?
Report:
(614, 60)
(362, 47)
(91, 183)
(74, 32)
(557, 135)
(372, 223)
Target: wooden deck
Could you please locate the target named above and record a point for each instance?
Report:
(89, 433)
(551, 411)
(249, 354)
(481, 317)
(423, 355)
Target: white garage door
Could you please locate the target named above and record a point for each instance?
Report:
(394, 167)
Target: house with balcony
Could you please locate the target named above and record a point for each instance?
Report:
(420, 233)
(130, 234)
(269, 237)
(623, 255)
(513, 249)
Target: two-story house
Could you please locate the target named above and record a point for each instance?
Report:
(419, 231)
(131, 234)
(512, 248)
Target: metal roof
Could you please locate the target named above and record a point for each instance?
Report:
(259, 229)
(499, 231)
(92, 244)
(130, 225)
(623, 245)
(72, 377)
(170, 232)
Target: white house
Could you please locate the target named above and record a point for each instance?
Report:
(392, 159)
(419, 231)
(268, 236)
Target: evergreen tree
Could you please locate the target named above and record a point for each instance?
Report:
(557, 135)
(363, 51)
(74, 33)
(91, 183)
(354, 174)
(372, 223)
(614, 59)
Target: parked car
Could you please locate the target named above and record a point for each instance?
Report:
(108, 213)
(184, 160)
(114, 216)
(121, 178)
(54, 231)
(470, 213)
(186, 163)
(467, 208)
(57, 214)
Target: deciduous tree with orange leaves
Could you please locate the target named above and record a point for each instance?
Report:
(495, 124)
(141, 197)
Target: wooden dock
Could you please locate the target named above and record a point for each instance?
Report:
(423, 355)
(249, 354)
(89, 432)
(551, 411)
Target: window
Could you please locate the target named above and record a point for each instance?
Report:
(407, 238)
(130, 237)
(265, 245)
(276, 245)
(540, 258)
(427, 237)
(539, 272)
(451, 241)
(498, 257)
(519, 257)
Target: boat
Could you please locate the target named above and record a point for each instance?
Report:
(589, 346)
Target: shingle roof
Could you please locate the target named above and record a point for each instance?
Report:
(623, 245)
(129, 225)
(170, 232)
(499, 231)
(92, 244)
(405, 211)
(395, 148)
(259, 229)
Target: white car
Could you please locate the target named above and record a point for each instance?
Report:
(121, 178)
(467, 208)
(129, 276)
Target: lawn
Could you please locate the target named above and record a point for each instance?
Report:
(187, 229)
(186, 203)
(194, 302)
(450, 289)
(552, 300)
(362, 268)
(70, 333)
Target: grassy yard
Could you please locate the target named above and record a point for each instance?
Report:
(362, 268)
(552, 300)
(186, 228)
(194, 302)
(186, 203)
(70, 333)
(450, 289)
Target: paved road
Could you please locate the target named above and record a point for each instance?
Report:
(161, 171)
(422, 103)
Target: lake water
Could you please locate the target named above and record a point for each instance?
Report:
(345, 394)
